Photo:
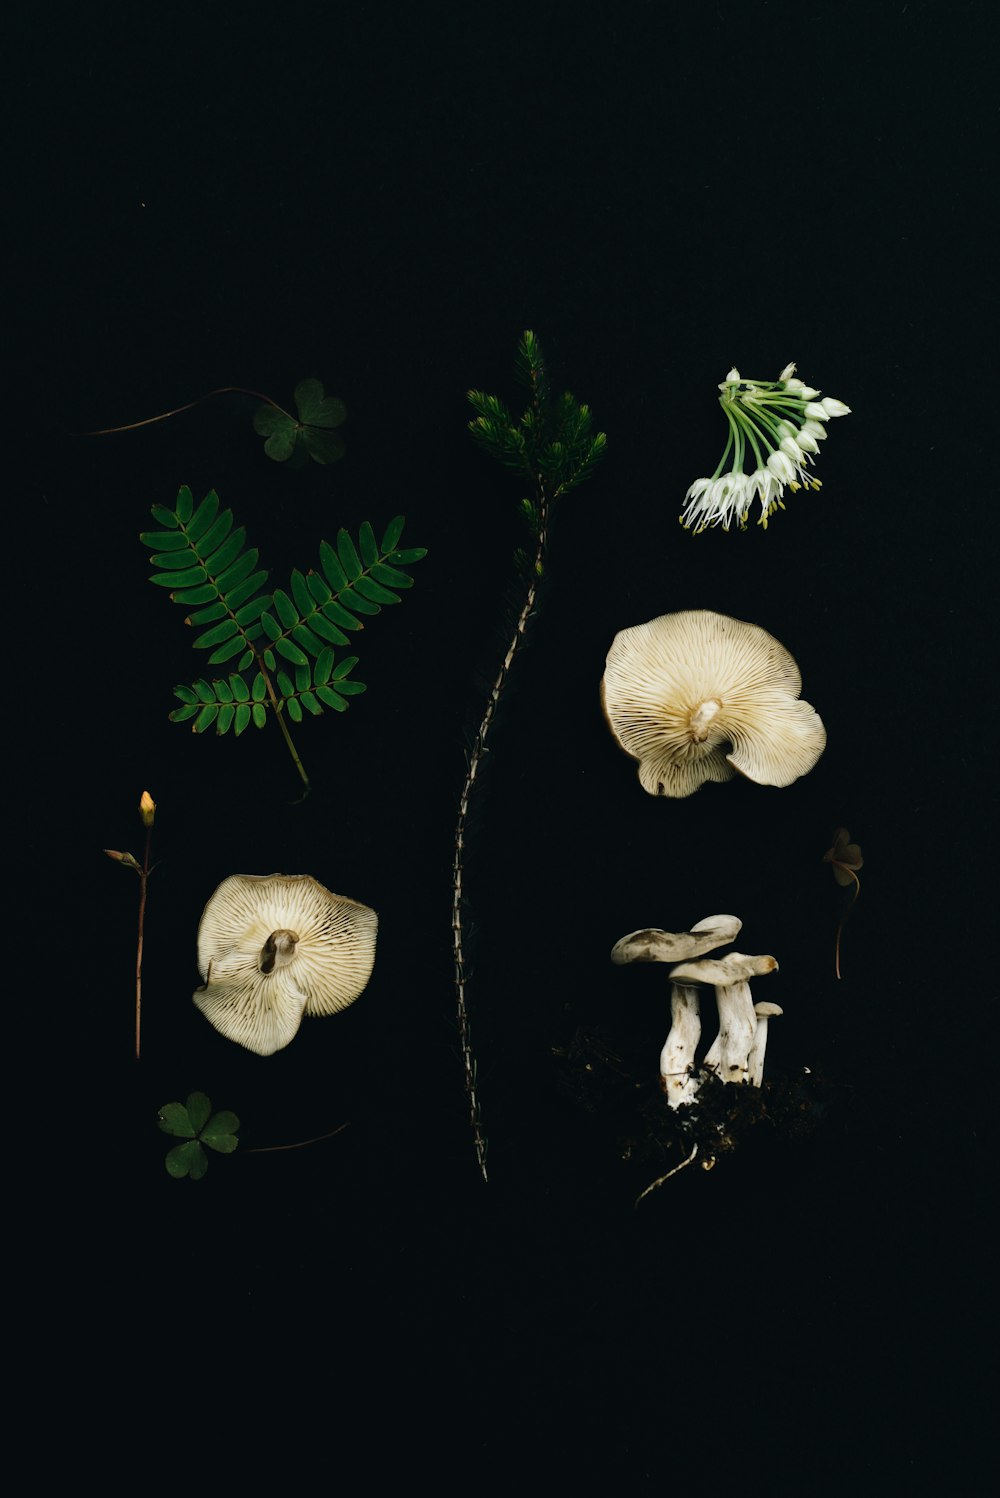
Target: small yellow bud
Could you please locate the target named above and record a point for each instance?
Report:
(147, 809)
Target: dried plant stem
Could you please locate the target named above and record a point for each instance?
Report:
(475, 759)
(843, 918)
(144, 873)
(271, 1149)
(133, 426)
(660, 1179)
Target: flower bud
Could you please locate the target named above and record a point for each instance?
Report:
(147, 809)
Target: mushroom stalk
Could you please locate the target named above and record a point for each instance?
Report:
(755, 1061)
(728, 1056)
(677, 1057)
(729, 1052)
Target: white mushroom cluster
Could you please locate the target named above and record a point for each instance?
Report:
(273, 947)
(696, 696)
(737, 1052)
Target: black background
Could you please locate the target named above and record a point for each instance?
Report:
(384, 198)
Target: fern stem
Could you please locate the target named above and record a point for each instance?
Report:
(284, 727)
(475, 759)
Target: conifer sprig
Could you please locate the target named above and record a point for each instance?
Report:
(551, 447)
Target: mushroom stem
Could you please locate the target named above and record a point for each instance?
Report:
(278, 950)
(729, 1052)
(677, 1056)
(755, 1061)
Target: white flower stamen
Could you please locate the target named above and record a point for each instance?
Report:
(776, 425)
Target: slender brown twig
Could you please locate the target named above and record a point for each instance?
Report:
(270, 1149)
(133, 426)
(845, 858)
(843, 918)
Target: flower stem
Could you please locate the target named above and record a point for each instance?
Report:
(143, 883)
(843, 918)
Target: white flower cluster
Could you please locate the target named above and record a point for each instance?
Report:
(778, 425)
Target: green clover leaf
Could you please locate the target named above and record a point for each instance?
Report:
(314, 434)
(196, 1124)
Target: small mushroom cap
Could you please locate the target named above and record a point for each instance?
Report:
(654, 945)
(327, 951)
(695, 695)
(767, 1011)
(721, 972)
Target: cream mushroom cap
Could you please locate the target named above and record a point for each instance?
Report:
(273, 947)
(722, 972)
(653, 945)
(695, 695)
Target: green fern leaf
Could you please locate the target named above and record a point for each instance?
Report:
(393, 531)
(203, 517)
(212, 637)
(216, 610)
(349, 559)
(304, 601)
(367, 545)
(285, 609)
(322, 626)
(330, 562)
(331, 698)
(227, 650)
(382, 572)
(357, 603)
(206, 717)
(303, 635)
(374, 592)
(292, 652)
(199, 556)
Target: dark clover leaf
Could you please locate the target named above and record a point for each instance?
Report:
(197, 1125)
(220, 1133)
(313, 435)
(845, 857)
(174, 1119)
(322, 446)
(317, 409)
(279, 429)
(187, 1160)
(199, 1110)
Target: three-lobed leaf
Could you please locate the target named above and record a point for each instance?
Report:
(314, 433)
(195, 1123)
